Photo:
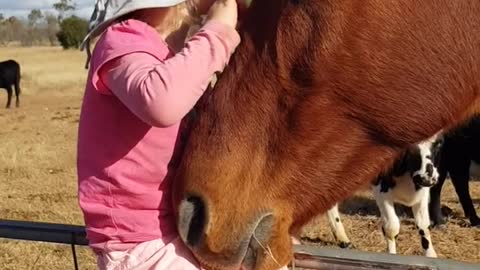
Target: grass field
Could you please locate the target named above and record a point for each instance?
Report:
(38, 174)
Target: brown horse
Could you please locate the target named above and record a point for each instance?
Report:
(320, 97)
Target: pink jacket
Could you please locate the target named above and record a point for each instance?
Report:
(137, 92)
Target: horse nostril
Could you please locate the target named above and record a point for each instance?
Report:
(192, 220)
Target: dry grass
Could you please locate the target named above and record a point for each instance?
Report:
(38, 175)
(37, 157)
(49, 69)
(360, 216)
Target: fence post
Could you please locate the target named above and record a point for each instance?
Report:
(74, 253)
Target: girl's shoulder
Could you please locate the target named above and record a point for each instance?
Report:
(127, 37)
(131, 32)
(121, 39)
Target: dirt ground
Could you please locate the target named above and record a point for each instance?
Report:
(38, 175)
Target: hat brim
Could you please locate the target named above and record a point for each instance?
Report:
(98, 30)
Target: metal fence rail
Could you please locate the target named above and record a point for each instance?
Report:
(306, 257)
(309, 257)
(45, 232)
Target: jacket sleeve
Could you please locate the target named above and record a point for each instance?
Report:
(161, 93)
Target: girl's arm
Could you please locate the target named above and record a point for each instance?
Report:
(161, 93)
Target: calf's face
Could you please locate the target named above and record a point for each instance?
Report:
(423, 161)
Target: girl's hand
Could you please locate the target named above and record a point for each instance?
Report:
(224, 11)
(201, 6)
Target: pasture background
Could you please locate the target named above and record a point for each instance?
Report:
(38, 173)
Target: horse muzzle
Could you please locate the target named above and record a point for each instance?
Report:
(222, 244)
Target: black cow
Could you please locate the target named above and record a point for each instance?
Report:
(461, 160)
(10, 76)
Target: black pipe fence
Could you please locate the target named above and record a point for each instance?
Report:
(305, 257)
(72, 235)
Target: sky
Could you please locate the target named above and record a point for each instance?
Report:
(23, 7)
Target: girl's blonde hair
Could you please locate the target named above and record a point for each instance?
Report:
(190, 19)
(185, 13)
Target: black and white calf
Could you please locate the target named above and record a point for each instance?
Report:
(9, 79)
(337, 228)
(407, 183)
(460, 160)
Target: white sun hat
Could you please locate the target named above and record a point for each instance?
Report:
(107, 11)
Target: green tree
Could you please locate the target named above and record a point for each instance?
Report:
(72, 31)
(62, 7)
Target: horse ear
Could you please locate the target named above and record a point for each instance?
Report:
(245, 4)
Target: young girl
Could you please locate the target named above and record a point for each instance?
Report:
(143, 79)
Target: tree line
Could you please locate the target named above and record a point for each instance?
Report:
(45, 28)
